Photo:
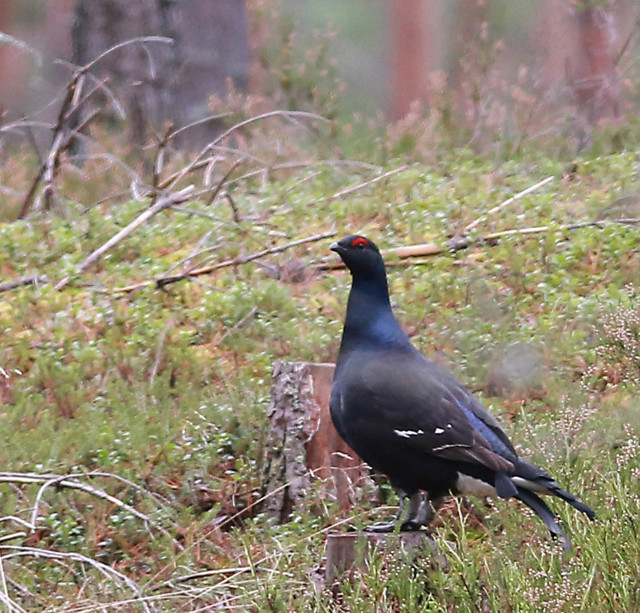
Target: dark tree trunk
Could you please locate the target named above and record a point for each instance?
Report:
(158, 82)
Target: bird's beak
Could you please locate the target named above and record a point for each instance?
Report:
(335, 247)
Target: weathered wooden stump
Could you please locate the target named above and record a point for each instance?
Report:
(302, 444)
(348, 551)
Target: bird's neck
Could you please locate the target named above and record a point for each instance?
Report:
(370, 322)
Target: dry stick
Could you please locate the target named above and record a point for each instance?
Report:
(507, 202)
(61, 138)
(160, 204)
(196, 123)
(15, 535)
(225, 177)
(243, 259)
(355, 188)
(67, 481)
(58, 135)
(572, 226)
(303, 164)
(104, 569)
(138, 39)
(237, 325)
(71, 102)
(458, 243)
(4, 593)
(26, 280)
(156, 362)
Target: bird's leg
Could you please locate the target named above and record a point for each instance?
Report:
(422, 511)
(417, 513)
(389, 526)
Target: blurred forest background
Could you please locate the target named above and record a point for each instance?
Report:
(478, 58)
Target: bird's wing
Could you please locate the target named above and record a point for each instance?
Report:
(425, 407)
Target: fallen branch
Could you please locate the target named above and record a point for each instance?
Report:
(160, 204)
(600, 223)
(161, 282)
(68, 481)
(457, 243)
(35, 279)
(350, 190)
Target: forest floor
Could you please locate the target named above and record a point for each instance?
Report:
(152, 402)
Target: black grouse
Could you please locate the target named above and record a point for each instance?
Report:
(411, 420)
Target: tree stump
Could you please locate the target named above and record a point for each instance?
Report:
(348, 551)
(302, 444)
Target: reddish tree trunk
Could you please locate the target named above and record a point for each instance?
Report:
(596, 86)
(409, 22)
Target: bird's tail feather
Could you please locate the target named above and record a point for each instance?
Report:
(573, 501)
(532, 478)
(540, 508)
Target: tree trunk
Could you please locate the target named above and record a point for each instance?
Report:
(410, 23)
(160, 82)
(596, 87)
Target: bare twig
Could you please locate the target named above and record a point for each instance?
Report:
(14, 535)
(4, 593)
(238, 324)
(12, 551)
(197, 123)
(198, 161)
(156, 362)
(286, 114)
(35, 279)
(601, 223)
(68, 481)
(139, 39)
(160, 204)
(22, 45)
(350, 190)
(244, 259)
(221, 183)
(234, 207)
(63, 134)
(507, 202)
(56, 144)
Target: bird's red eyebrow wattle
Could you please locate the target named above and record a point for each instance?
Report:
(359, 241)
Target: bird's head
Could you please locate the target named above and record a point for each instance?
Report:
(361, 256)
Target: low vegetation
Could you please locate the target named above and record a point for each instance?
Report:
(134, 421)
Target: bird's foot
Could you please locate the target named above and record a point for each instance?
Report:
(381, 526)
(410, 526)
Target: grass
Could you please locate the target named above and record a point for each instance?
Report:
(168, 390)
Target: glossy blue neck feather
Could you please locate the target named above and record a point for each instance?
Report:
(370, 322)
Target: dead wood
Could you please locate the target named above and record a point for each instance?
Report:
(303, 445)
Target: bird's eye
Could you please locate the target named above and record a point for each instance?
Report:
(360, 242)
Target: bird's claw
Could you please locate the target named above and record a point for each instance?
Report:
(410, 526)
